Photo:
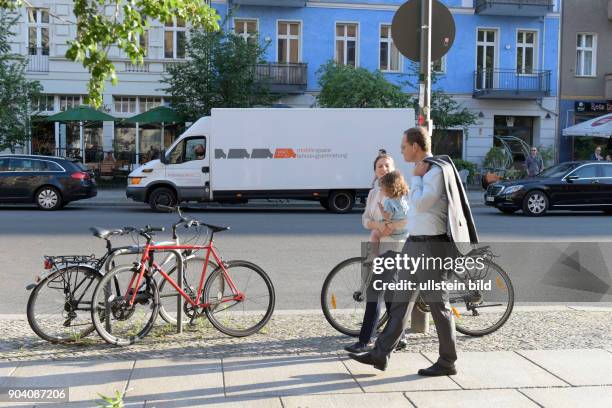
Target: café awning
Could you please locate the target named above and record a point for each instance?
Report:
(160, 114)
(600, 126)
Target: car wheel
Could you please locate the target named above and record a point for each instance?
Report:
(341, 201)
(508, 210)
(535, 203)
(162, 196)
(48, 198)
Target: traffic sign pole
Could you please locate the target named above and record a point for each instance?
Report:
(425, 65)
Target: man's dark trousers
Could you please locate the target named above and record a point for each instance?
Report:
(421, 247)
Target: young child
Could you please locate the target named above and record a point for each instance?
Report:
(394, 207)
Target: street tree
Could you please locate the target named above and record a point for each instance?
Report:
(16, 92)
(221, 73)
(343, 86)
(102, 24)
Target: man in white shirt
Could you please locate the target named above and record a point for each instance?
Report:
(428, 236)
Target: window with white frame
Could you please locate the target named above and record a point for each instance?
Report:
(289, 41)
(125, 104)
(70, 101)
(246, 28)
(175, 39)
(586, 54)
(346, 44)
(143, 41)
(439, 66)
(146, 103)
(44, 103)
(38, 31)
(526, 47)
(389, 55)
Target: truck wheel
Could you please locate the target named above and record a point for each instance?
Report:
(162, 196)
(341, 201)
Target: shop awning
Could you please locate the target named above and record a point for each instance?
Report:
(81, 113)
(600, 126)
(160, 114)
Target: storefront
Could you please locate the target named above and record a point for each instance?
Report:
(582, 148)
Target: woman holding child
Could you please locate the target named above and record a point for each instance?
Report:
(385, 216)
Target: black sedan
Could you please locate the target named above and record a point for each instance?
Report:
(50, 182)
(578, 186)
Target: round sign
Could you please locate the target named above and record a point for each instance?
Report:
(406, 33)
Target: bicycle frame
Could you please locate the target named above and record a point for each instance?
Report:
(210, 249)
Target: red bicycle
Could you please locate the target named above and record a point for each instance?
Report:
(237, 297)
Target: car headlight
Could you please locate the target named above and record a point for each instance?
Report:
(512, 189)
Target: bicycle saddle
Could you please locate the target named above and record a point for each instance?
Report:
(215, 228)
(104, 233)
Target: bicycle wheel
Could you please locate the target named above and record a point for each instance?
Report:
(482, 311)
(115, 320)
(59, 307)
(231, 315)
(168, 296)
(342, 302)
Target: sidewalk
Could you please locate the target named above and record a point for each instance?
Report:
(548, 378)
(116, 197)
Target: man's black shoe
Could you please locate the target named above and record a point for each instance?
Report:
(437, 370)
(403, 343)
(366, 358)
(358, 347)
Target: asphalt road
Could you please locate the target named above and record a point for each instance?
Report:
(296, 247)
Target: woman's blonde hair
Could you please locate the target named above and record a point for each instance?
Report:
(393, 184)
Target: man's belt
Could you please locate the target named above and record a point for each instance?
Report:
(423, 238)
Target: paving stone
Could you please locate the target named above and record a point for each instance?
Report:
(374, 400)
(470, 399)
(219, 402)
(85, 379)
(401, 375)
(578, 397)
(499, 369)
(577, 367)
(6, 369)
(170, 379)
(287, 375)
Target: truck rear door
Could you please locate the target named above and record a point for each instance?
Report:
(189, 168)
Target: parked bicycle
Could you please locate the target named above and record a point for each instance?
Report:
(476, 312)
(237, 297)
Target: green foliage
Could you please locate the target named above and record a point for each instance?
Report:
(446, 113)
(16, 92)
(343, 86)
(496, 158)
(461, 164)
(547, 154)
(220, 74)
(97, 31)
(584, 147)
(112, 402)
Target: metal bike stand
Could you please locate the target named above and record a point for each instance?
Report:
(180, 265)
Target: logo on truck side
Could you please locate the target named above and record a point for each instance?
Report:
(279, 153)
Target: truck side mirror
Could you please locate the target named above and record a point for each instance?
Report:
(162, 157)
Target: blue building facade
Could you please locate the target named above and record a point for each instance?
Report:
(503, 64)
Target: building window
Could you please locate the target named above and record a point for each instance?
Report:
(447, 141)
(439, 66)
(70, 101)
(43, 103)
(143, 41)
(389, 55)
(246, 29)
(586, 54)
(346, 44)
(175, 39)
(125, 104)
(38, 31)
(147, 103)
(526, 52)
(288, 41)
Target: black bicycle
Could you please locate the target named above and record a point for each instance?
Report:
(477, 312)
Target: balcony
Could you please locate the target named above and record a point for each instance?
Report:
(283, 77)
(273, 3)
(518, 8)
(511, 84)
(38, 63)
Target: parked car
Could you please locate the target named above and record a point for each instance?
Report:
(50, 182)
(577, 186)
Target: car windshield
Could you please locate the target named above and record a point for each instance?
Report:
(557, 171)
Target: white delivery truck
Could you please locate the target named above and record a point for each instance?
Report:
(235, 155)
